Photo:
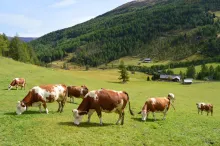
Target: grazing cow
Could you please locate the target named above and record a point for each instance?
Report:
(17, 82)
(41, 94)
(205, 107)
(160, 104)
(102, 100)
(77, 91)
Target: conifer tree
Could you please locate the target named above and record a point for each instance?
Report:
(123, 72)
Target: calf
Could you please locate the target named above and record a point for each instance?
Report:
(201, 106)
(41, 95)
(17, 82)
(102, 100)
(77, 91)
(153, 105)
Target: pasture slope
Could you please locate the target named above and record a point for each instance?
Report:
(182, 127)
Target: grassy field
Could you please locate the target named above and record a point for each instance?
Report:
(198, 68)
(182, 127)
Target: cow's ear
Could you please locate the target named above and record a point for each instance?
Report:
(82, 112)
(139, 112)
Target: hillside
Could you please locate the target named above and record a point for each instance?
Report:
(159, 29)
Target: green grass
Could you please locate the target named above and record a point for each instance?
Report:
(182, 127)
(198, 68)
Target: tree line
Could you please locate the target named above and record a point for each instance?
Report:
(17, 50)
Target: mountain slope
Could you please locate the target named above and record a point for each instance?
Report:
(159, 29)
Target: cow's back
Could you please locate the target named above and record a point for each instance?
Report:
(51, 93)
(109, 99)
(157, 104)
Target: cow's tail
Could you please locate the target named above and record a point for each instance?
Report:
(131, 112)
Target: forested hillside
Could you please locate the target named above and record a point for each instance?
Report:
(17, 50)
(160, 29)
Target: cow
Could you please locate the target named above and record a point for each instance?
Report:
(41, 95)
(17, 82)
(201, 106)
(103, 100)
(77, 91)
(159, 104)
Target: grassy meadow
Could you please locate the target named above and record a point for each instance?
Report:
(182, 127)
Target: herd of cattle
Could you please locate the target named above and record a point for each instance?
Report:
(102, 100)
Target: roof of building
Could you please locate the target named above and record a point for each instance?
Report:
(188, 80)
(162, 76)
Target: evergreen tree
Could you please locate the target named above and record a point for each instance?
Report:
(191, 72)
(123, 72)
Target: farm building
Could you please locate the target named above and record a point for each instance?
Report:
(146, 60)
(175, 78)
(187, 81)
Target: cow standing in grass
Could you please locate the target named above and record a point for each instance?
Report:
(77, 91)
(40, 95)
(17, 82)
(102, 100)
(159, 104)
(201, 106)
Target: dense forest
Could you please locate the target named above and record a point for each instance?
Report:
(17, 50)
(160, 29)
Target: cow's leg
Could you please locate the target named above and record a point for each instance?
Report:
(122, 120)
(16, 87)
(164, 113)
(90, 114)
(40, 108)
(201, 112)
(62, 105)
(207, 113)
(198, 110)
(45, 107)
(147, 115)
(73, 100)
(99, 113)
(119, 118)
(154, 116)
(59, 106)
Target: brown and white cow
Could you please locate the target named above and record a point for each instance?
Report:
(77, 91)
(17, 82)
(41, 95)
(201, 106)
(103, 100)
(159, 104)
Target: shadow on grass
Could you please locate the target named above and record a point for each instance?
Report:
(113, 82)
(10, 113)
(85, 124)
(24, 113)
(148, 120)
(13, 89)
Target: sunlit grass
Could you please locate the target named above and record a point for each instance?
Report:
(182, 127)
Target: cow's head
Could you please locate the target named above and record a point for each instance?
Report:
(143, 114)
(77, 116)
(9, 87)
(84, 90)
(21, 107)
(171, 96)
